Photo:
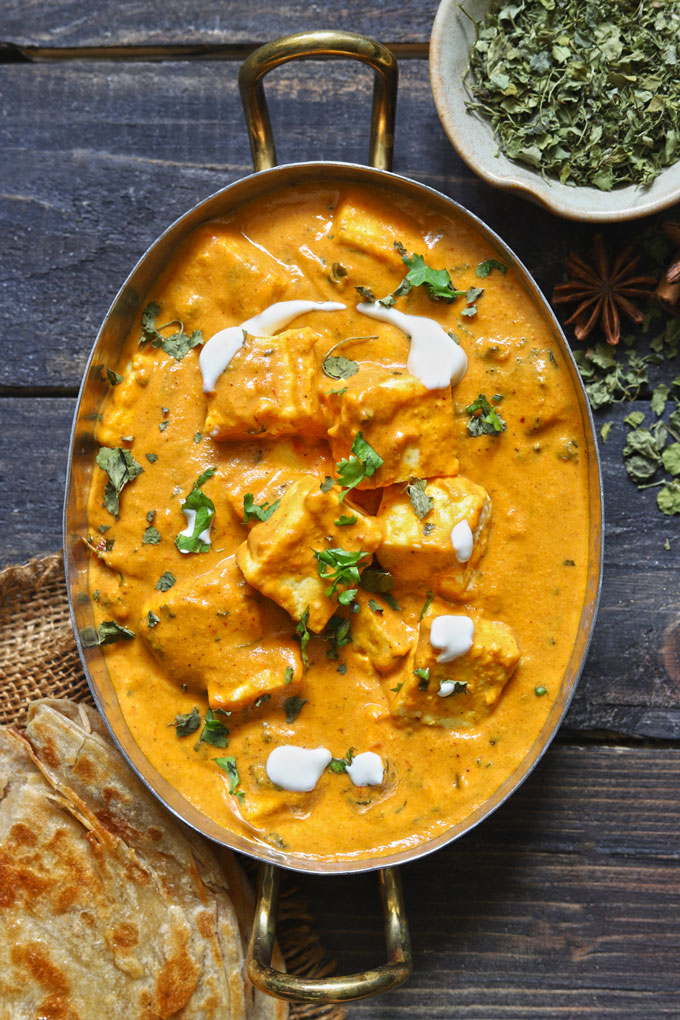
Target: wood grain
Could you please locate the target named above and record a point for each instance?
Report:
(631, 682)
(98, 159)
(564, 904)
(130, 23)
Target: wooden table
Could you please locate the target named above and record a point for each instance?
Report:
(116, 117)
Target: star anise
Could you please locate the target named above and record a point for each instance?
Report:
(601, 291)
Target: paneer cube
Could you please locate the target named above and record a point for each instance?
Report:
(461, 693)
(215, 633)
(216, 278)
(278, 557)
(267, 470)
(409, 426)
(268, 390)
(441, 551)
(372, 227)
(381, 634)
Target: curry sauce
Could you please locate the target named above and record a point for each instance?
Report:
(383, 579)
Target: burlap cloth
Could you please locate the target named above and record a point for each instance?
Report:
(39, 659)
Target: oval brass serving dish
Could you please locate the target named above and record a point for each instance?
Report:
(114, 330)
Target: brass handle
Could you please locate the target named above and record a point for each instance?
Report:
(334, 989)
(324, 45)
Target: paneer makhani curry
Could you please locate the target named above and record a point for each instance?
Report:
(339, 522)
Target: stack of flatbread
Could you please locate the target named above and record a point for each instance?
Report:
(109, 910)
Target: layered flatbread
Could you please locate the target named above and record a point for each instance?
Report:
(108, 908)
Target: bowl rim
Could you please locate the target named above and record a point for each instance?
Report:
(552, 195)
(80, 450)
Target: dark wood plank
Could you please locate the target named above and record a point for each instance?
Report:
(128, 23)
(631, 682)
(96, 160)
(564, 904)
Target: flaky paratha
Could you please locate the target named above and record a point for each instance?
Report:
(108, 908)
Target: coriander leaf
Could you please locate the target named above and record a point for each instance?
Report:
(152, 620)
(340, 567)
(109, 631)
(176, 345)
(339, 765)
(345, 520)
(288, 675)
(422, 503)
(423, 672)
(363, 462)
(259, 511)
(152, 536)
(187, 723)
(659, 398)
(201, 512)
(485, 419)
(540, 691)
(376, 580)
(213, 731)
(473, 294)
(605, 430)
(641, 455)
(165, 581)
(114, 378)
(437, 282)
(228, 765)
(327, 484)
(428, 603)
(366, 294)
(484, 268)
(337, 367)
(375, 606)
(293, 707)
(303, 634)
(121, 467)
(151, 457)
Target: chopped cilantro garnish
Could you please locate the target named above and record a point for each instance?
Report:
(165, 581)
(187, 722)
(110, 631)
(214, 732)
(340, 567)
(152, 536)
(420, 501)
(114, 378)
(363, 462)
(303, 634)
(204, 509)
(485, 419)
(121, 467)
(259, 511)
(338, 765)
(346, 519)
(288, 675)
(484, 268)
(176, 344)
(228, 765)
(292, 707)
(152, 620)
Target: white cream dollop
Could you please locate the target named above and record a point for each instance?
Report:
(462, 541)
(297, 769)
(452, 636)
(189, 530)
(366, 769)
(222, 346)
(434, 357)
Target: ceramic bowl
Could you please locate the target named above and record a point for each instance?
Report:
(453, 35)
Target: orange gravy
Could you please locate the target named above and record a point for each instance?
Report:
(319, 244)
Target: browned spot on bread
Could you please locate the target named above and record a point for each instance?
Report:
(55, 1007)
(16, 879)
(125, 935)
(155, 834)
(33, 956)
(22, 835)
(85, 769)
(115, 825)
(205, 922)
(178, 976)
